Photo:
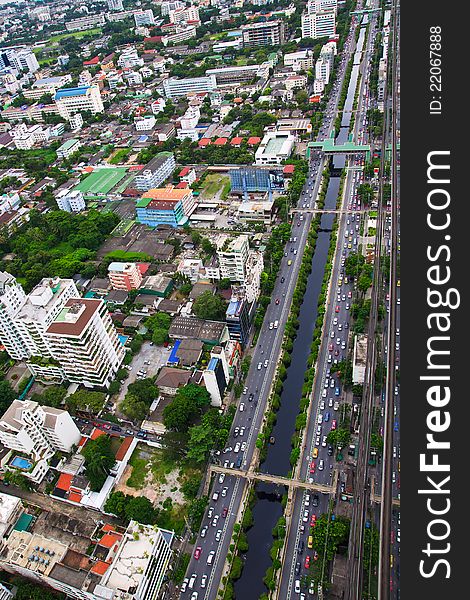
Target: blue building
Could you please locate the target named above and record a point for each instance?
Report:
(237, 318)
(251, 179)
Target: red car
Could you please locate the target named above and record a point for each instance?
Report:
(337, 309)
(224, 512)
(197, 552)
(333, 424)
(349, 294)
(277, 300)
(313, 520)
(307, 562)
(312, 467)
(330, 347)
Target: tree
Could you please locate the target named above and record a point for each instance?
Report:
(134, 408)
(339, 437)
(159, 336)
(209, 307)
(116, 504)
(140, 509)
(188, 403)
(86, 401)
(25, 590)
(51, 396)
(7, 395)
(225, 283)
(99, 460)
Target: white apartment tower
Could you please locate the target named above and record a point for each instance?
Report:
(319, 24)
(232, 259)
(71, 201)
(83, 339)
(12, 298)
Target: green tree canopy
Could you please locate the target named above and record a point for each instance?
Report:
(86, 400)
(99, 460)
(7, 395)
(209, 307)
(188, 404)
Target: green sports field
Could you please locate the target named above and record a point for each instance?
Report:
(100, 182)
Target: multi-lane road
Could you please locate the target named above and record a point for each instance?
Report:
(317, 462)
(216, 530)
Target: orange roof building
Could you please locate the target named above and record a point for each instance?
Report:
(236, 141)
(203, 142)
(221, 141)
(253, 141)
(171, 205)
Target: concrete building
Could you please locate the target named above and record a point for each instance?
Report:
(130, 59)
(20, 59)
(83, 339)
(174, 88)
(299, 61)
(146, 123)
(319, 24)
(359, 358)
(266, 33)
(274, 148)
(144, 17)
(115, 5)
(125, 564)
(182, 33)
(184, 15)
(322, 70)
(47, 85)
(216, 376)
(70, 201)
(124, 276)
(155, 172)
(233, 257)
(88, 22)
(232, 75)
(72, 100)
(39, 432)
(68, 148)
(12, 298)
(168, 7)
(237, 318)
(295, 82)
(165, 206)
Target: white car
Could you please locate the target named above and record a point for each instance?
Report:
(204, 531)
(330, 402)
(297, 586)
(237, 447)
(242, 407)
(204, 580)
(218, 535)
(221, 477)
(243, 447)
(305, 517)
(224, 491)
(266, 363)
(322, 405)
(259, 366)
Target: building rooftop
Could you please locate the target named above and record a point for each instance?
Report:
(172, 378)
(192, 327)
(67, 92)
(43, 298)
(74, 317)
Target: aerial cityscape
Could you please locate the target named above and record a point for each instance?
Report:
(200, 299)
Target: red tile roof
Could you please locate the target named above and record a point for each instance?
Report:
(252, 141)
(100, 567)
(64, 481)
(288, 169)
(182, 185)
(93, 61)
(108, 527)
(75, 497)
(184, 171)
(204, 142)
(236, 141)
(123, 448)
(96, 433)
(221, 141)
(109, 539)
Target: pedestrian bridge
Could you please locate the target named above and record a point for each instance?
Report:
(276, 479)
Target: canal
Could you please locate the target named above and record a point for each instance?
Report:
(268, 508)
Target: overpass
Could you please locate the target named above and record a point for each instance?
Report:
(277, 479)
(329, 148)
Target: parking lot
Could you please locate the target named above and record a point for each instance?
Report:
(157, 356)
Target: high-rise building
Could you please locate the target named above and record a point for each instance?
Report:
(237, 318)
(124, 276)
(72, 100)
(88, 22)
(168, 7)
(84, 340)
(233, 257)
(267, 33)
(216, 376)
(12, 298)
(319, 24)
(21, 59)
